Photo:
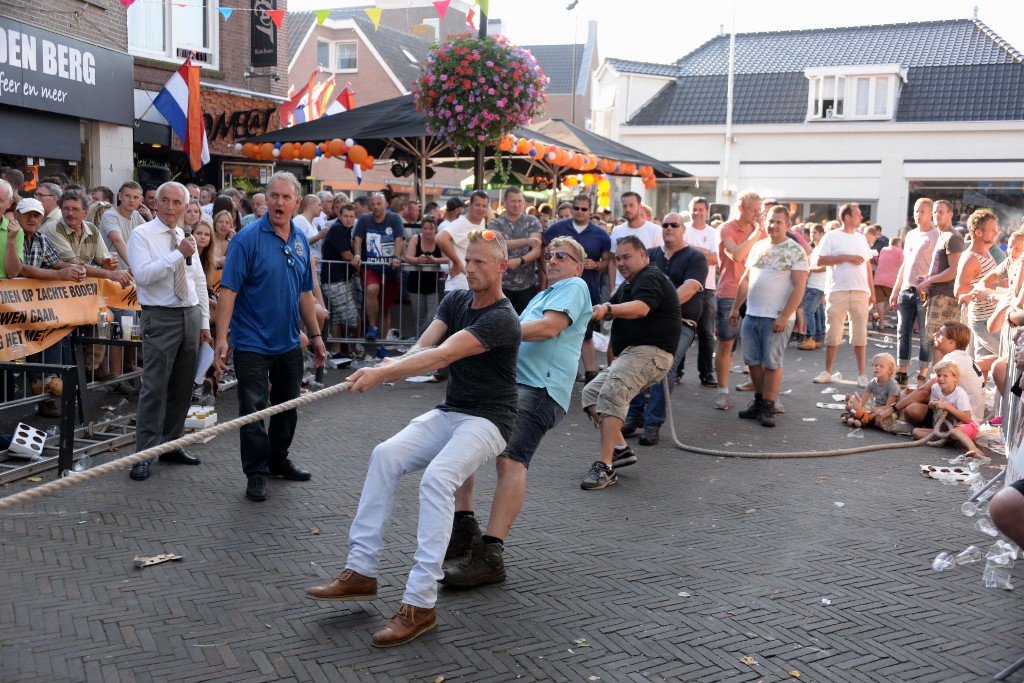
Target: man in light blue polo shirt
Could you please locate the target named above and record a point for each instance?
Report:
(266, 289)
(553, 325)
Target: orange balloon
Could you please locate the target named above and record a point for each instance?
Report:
(334, 147)
(541, 148)
(307, 150)
(286, 150)
(506, 142)
(523, 147)
(357, 154)
(267, 150)
(367, 165)
(249, 150)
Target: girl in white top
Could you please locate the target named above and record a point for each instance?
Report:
(948, 396)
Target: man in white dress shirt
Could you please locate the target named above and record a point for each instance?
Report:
(175, 319)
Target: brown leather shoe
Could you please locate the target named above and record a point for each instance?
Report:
(349, 585)
(408, 624)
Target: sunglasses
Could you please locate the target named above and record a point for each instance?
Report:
(671, 224)
(559, 255)
(581, 208)
(485, 235)
(288, 253)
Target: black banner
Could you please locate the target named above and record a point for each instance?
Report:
(55, 73)
(264, 34)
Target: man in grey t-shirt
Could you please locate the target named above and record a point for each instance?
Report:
(522, 233)
(117, 224)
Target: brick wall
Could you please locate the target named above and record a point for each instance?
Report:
(405, 19)
(234, 58)
(105, 26)
(371, 83)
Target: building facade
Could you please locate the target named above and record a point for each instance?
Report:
(880, 115)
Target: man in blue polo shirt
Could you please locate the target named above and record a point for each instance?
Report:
(266, 287)
(553, 325)
(598, 247)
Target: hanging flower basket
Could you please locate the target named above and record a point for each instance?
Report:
(474, 90)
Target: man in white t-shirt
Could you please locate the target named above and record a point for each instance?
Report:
(637, 225)
(455, 238)
(772, 287)
(117, 224)
(704, 239)
(849, 293)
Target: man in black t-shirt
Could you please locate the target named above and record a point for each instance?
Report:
(645, 334)
(687, 268)
(476, 333)
(337, 277)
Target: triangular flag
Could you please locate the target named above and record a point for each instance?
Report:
(277, 15)
(127, 3)
(440, 5)
(374, 15)
(321, 16)
(469, 18)
(226, 11)
(483, 5)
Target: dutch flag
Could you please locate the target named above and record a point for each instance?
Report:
(179, 102)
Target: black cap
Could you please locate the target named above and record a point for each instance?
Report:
(454, 203)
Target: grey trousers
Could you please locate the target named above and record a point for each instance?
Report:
(170, 345)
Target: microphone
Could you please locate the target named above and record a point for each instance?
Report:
(188, 233)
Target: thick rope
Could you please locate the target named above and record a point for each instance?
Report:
(156, 451)
(940, 430)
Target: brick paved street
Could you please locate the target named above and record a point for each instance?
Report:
(686, 566)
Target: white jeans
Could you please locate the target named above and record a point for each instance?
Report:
(449, 447)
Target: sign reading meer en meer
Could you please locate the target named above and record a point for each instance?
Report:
(54, 73)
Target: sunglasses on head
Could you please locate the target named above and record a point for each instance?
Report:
(671, 224)
(485, 235)
(559, 255)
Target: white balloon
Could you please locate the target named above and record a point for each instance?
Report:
(349, 142)
(276, 152)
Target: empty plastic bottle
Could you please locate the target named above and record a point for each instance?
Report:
(942, 561)
(969, 555)
(985, 526)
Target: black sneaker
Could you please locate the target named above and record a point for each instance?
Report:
(466, 535)
(589, 376)
(257, 488)
(477, 568)
(599, 477)
(753, 410)
(709, 381)
(767, 416)
(650, 437)
(623, 457)
(631, 425)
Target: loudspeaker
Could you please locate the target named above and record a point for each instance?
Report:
(153, 175)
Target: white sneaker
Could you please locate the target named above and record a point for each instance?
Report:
(862, 381)
(722, 402)
(779, 410)
(825, 378)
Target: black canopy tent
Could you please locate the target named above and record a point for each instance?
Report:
(393, 129)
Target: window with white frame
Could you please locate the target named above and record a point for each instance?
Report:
(865, 93)
(174, 30)
(338, 56)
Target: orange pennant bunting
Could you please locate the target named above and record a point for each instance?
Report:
(277, 15)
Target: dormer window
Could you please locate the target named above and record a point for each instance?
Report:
(854, 93)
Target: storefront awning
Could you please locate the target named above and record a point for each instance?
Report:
(33, 133)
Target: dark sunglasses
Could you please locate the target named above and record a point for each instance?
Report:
(560, 255)
(671, 224)
(581, 208)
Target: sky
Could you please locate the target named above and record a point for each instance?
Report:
(665, 30)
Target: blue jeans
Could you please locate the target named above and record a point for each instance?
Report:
(910, 308)
(814, 314)
(654, 413)
(262, 447)
(538, 414)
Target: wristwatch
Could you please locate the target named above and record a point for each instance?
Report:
(608, 310)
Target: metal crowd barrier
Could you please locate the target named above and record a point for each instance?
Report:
(74, 438)
(409, 315)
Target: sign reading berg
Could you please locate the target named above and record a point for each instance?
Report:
(55, 73)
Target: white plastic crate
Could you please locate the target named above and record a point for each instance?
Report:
(200, 417)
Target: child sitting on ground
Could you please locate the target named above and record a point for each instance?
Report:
(881, 391)
(948, 396)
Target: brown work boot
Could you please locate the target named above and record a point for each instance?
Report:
(408, 624)
(349, 585)
(466, 535)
